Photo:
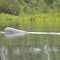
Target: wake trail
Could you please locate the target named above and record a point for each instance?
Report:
(45, 33)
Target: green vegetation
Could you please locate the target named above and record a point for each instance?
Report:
(17, 7)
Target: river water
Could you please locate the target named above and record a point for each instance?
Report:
(30, 47)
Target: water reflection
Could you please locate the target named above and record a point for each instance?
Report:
(22, 51)
(16, 51)
(4, 53)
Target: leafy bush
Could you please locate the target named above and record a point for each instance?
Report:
(9, 6)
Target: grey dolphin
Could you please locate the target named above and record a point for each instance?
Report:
(12, 32)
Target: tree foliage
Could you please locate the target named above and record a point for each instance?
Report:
(38, 6)
(29, 6)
